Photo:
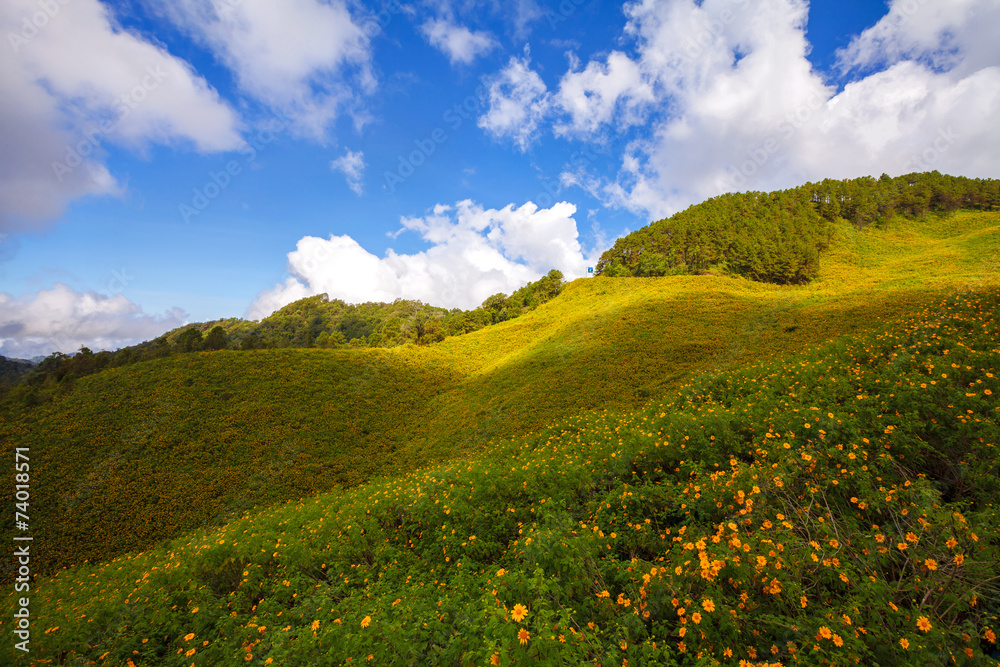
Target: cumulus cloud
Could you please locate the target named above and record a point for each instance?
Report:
(74, 81)
(63, 320)
(352, 165)
(728, 99)
(957, 35)
(460, 44)
(591, 96)
(474, 253)
(518, 102)
(305, 58)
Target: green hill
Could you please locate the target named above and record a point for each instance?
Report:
(603, 398)
(136, 454)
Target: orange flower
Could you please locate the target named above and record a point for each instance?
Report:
(824, 632)
(708, 605)
(366, 621)
(837, 640)
(904, 642)
(520, 611)
(931, 564)
(696, 617)
(495, 659)
(959, 559)
(523, 636)
(189, 636)
(924, 624)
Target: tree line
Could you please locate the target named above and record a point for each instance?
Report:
(312, 322)
(778, 237)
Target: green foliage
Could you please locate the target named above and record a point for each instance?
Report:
(216, 339)
(835, 506)
(12, 370)
(778, 237)
(741, 445)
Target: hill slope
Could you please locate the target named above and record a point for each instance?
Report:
(833, 506)
(144, 452)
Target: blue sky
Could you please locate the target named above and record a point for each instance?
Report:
(201, 159)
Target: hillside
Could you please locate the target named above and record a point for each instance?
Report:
(780, 237)
(136, 454)
(832, 506)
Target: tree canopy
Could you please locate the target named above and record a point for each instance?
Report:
(778, 237)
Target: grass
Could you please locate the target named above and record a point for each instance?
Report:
(827, 506)
(138, 454)
(564, 405)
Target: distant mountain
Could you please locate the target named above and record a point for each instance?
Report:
(12, 370)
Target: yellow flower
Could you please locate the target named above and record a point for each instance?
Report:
(495, 659)
(696, 617)
(904, 643)
(708, 605)
(931, 564)
(837, 640)
(924, 624)
(523, 636)
(366, 621)
(195, 610)
(189, 636)
(519, 612)
(315, 625)
(824, 632)
(190, 652)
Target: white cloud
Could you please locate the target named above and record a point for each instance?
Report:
(591, 96)
(958, 35)
(518, 103)
(460, 44)
(305, 58)
(474, 253)
(738, 105)
(73, 82)
(352, 165)
(62, 319)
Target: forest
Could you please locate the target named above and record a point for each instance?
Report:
(312, 322)
(779, 237)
